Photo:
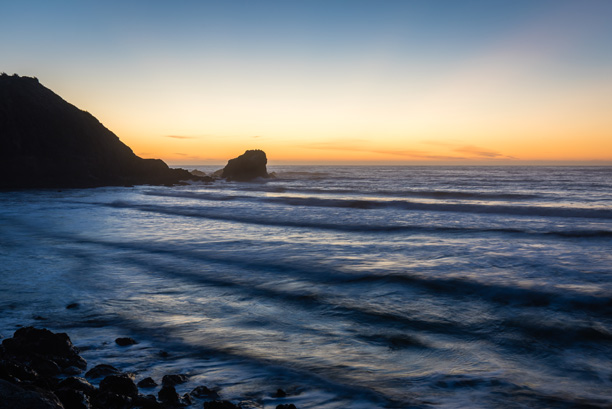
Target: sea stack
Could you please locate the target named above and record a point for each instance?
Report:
(45, 142)
(248, 166)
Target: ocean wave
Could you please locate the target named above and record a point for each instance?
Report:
(275, 221)
(459, 288)
(367, 204)
(428, 194)
(425, 194)
(300, 175)
(375, 316)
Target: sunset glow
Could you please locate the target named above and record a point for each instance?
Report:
(315, 82)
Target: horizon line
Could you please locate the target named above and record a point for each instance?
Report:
(535, 163)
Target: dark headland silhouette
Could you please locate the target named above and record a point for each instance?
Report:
(45, 142)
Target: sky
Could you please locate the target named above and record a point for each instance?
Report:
(334, 81)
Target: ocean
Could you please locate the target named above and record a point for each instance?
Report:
(347, 287)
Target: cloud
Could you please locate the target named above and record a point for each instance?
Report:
(347, 147)
(471, 150)
(481, 152)
(179, 137)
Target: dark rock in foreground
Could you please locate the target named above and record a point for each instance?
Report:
(220, 404)
(286, 406)
(78, 384)
(47, 353)
(147, 383)
(22, 385)
(102, 370)
(119, 385)
(14, 396)
(204, 392)
(171, 380)
(167, 394)
(45, 142)
(248, 166)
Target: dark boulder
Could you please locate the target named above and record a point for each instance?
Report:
(248, 166)
(45, 142)
(147, 383)
(220, 404)
(15, 371)
(120, 385)
(73, 399)
(109, 400)
(46, 352)
(123, 342)
(167, 394)
(286, 406)
(102, 370)
(15, 396)
(171, 380)
(204, 392)
(147, 402)
(77, 384)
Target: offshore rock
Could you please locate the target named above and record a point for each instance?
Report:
(45, 142)
(248, 166)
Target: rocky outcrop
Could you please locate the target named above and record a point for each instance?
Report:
(25, 381)
(46, 353)
(45, 142)
(248, 166)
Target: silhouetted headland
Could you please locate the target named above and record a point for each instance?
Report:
(45, 142)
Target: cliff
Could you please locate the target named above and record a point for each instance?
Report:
(45, 142)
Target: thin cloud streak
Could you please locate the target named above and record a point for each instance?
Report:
(469, 149)
(481, 152)
(415, 154)
(179, 137)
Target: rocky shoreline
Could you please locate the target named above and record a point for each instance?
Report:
(40, 369)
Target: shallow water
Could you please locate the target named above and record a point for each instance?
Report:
(349, 287)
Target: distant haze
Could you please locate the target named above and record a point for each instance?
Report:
(352, 82)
